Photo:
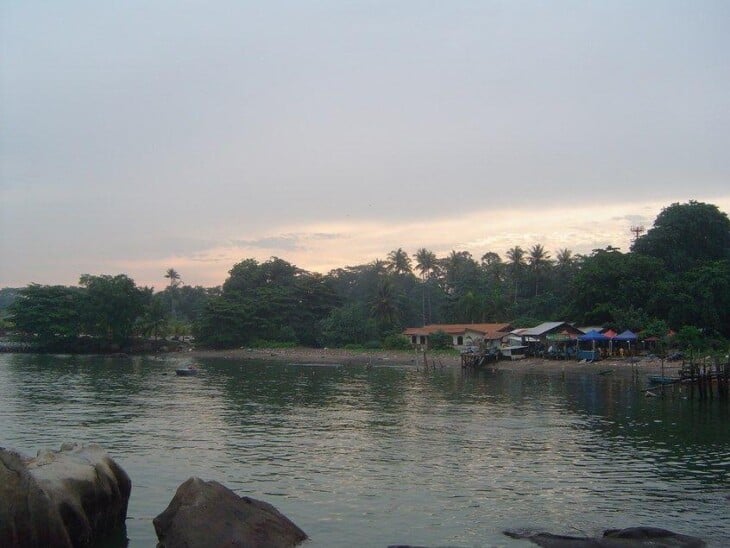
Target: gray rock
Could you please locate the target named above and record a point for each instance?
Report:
(206, 513)
(614, 538)
(73, 497)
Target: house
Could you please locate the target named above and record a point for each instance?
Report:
(469, 334)
(541, 335)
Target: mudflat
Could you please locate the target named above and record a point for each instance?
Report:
(416, 359)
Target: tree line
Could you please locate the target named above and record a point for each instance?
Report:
(675, 276)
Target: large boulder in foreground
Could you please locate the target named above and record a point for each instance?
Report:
(76, 497)
(206, 513)
(614, 538)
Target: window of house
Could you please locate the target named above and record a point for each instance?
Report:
(459, 340)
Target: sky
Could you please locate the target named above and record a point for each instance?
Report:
(139, 136)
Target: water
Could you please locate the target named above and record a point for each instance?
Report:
(371, 457)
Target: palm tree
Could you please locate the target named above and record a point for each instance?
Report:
(539, 260)
(426, 263)
(564, 258)
(173, 276)
(457, 265)
(399, 263)
(379, 267)
(384, 307)
(175, 281)
(516, 256)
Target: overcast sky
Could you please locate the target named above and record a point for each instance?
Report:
(137, 136)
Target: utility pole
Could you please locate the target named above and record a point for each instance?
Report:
(637, 230)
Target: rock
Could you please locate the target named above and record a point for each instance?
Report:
(614, 538)
(653, 536)
(27, 516)
(206, 513)
(77, 497)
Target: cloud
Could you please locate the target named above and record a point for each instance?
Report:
(286, 242)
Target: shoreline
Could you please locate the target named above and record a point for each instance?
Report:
(416, 359)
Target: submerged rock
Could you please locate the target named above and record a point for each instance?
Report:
(206, 513)
(614, 538)
(77, 497)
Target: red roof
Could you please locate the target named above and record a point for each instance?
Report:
(487, 330)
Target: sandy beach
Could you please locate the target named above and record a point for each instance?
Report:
(404, 357)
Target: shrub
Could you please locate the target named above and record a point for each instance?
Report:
(396, 342)
(440, 341)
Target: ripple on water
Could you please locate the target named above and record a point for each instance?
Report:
(354, 453)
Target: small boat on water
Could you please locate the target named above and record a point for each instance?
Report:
(189, 371)
(662, 379)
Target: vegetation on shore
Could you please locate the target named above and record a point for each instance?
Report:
(676, 276)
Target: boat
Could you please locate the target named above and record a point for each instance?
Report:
(513, 352)
(662, 379)
(605, 372)
(189, 371)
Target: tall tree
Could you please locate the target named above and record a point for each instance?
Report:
(687, 235)
(273, 301)
(426, 264)
(172, 275)
(516, 265)
(49, 314)
(539, 261)
(384, 307)
(610, 283)
(111, 305)
(399, 263)
(564, 258)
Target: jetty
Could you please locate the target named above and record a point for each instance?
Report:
(475, 360)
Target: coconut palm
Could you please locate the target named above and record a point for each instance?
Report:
(426, 264)
(539, 261)
(172, 275)
(564, 258)
(516, 256)
(379, 267)
(399, 263)
(384, 307)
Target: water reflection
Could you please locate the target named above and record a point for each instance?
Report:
(355, 453)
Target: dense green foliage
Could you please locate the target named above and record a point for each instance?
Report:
(440, 340)
(677, 276)
(685, 236)
(105, 308)
(273, 301)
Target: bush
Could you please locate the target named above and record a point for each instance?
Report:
(261, 343)
(440, 341)
(372, 345)
(396, 342)
(353, 346)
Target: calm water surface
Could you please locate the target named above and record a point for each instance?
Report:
(370, 457)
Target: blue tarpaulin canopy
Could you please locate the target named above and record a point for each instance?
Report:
(593, 336)
(627, 335)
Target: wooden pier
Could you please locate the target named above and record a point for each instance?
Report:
(707, 378)
(475, 360)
